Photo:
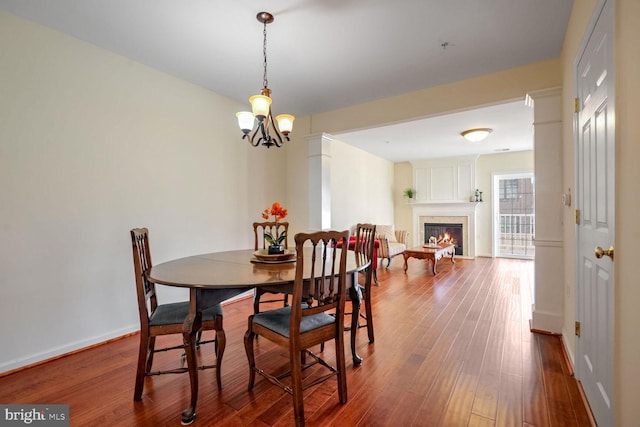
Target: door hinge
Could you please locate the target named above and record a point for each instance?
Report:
(578, 329)
(576, 105)
(577, 216)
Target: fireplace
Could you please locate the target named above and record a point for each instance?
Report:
(445, 233)
(447, 213)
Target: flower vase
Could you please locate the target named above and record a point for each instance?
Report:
(276, 249)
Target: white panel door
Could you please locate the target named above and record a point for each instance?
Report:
(596, 196)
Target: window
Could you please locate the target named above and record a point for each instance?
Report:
(509, 189)
(515, 210)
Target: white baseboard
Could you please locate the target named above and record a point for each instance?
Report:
(31, 359)
(546, 322)
(569, 351)
(243, 295)
(78, 345)
(66, 348)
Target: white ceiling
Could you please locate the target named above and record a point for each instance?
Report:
(326, 54)
(438, 137)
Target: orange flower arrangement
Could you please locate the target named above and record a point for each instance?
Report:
(278, 213)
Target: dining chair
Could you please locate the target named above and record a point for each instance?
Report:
(260, 243)
(316, 315)
(165, 319)
(364, 248)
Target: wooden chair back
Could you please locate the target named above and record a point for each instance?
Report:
(146, 290)
(364, 249)
(275, 228)
(325, 288)
(259, 228)
(365, 243)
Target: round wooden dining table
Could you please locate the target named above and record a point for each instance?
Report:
(215, 277)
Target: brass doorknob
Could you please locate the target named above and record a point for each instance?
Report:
(602, 252)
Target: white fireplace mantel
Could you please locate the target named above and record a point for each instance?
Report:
(449, 210)
(452, 204)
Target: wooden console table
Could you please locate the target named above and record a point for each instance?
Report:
(432, 254)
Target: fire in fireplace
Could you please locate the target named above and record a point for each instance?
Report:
(445, 233)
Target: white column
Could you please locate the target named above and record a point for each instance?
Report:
(319, 181)
(547, 310)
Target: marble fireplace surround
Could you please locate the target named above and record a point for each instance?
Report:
(447, 213)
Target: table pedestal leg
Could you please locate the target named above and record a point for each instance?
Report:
(356, 300)
(190, 328)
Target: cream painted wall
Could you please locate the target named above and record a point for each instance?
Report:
(92, 145)
(403, 214)
(297, 181)
(361, 187)
(486, 166)
(627, 111)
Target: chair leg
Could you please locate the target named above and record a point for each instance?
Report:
(143, 353)
(221, 343)
(258, 295)
(151, 351)
(341, 365)
(295, 357)
(256, 301)
(369, 314)
(249, 338)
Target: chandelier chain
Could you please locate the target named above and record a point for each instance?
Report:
(264, 54)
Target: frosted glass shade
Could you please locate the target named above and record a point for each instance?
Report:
(245, 121)
(476, 135)
(260, 105)
(285, 123)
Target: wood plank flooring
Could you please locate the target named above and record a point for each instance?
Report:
(450, 350)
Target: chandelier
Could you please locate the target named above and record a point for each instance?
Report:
(265, 132)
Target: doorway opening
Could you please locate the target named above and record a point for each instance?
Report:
(514, 215)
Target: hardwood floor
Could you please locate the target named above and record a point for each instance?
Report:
(450, 350)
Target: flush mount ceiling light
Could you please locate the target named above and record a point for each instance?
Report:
(476, 135)
(261, 108)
